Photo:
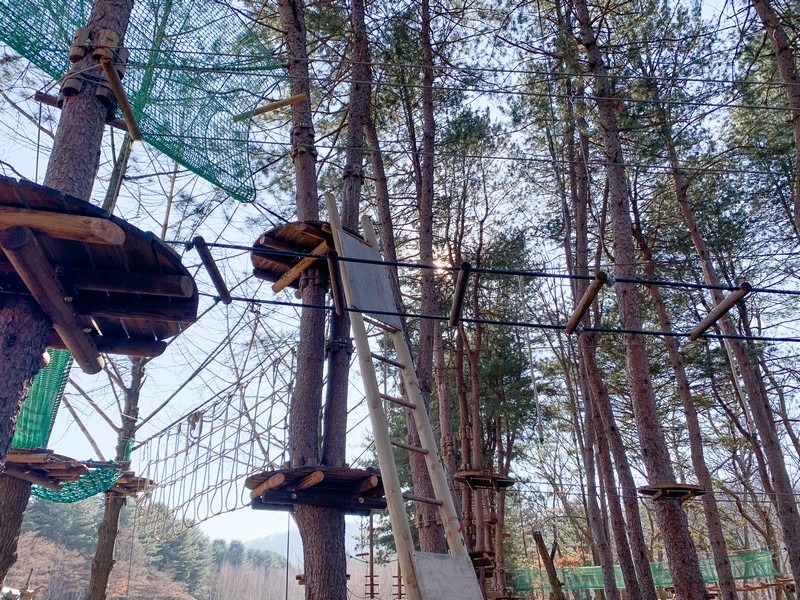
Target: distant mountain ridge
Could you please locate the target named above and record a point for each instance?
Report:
(276, 542)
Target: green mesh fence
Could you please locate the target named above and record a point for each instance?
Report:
(193, 65)
(745, 565)
(94, 482)
(35, 421)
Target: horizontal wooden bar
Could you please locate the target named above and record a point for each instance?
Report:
(399, 401)
(23, 251)
(586, 301)
(422, 499)
(146, 284)
(270, 107)
(115, 345)
(114, 82)
(273, 482)
(416, 449)
(49, 100)
(77, 228)
(387, 360)
(720, 309)
(310, 480)
(30, 477)
(368, 483)
(199, 244)
(175, 311)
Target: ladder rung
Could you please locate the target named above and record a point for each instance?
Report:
(422, 499)
(379, 324)
(388, 361)
(399, 401)
(407, 447)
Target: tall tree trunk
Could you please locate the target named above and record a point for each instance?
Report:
(14, 496)
(72, 168)
(787, 65)
(758, 401)
(716, 536)
(644, 587)
(431, 534)
(681, 552)
(322, 529)
(103, 561)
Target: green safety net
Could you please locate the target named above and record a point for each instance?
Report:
(96, 481)
(35, 421)
(193, 65)
(745, 565)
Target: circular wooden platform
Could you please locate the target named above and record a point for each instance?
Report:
(476, 478)
(353, 491)
(124, 288)
(281, 245)
(681, 491)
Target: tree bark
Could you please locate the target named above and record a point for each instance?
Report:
(681, 552)
(552, 576)
(322, 529)
(785, 59)
(716, 536)
(104, 561)
(14, 495)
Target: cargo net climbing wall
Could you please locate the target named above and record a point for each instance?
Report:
(197, 465)
(193, 65)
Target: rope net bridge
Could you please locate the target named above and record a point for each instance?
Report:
(198, 462)
(193, 67)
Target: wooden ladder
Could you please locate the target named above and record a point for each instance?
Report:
(367, 289)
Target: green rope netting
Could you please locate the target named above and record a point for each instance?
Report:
(745, 565)
(35, 421)
(193, 66)
(96, 481)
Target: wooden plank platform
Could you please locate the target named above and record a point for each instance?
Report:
(681, 491)
(354, 491)
(475, 478)
(127, 289)
(280, 245)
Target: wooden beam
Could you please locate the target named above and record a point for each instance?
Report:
(114, 345)
(65, 227)
(368, 483)
(337, 291)
(28, 457)
(586, 301)
(147, 284)
(303, 264)
(25, 254)
(35, 479)
(458, 293)
(49, 100)
(270, 107)
(273, 482)
(115, 84)
(720, 309)
(308, 481)
(175, 311)
(199, 244)
(547, 560)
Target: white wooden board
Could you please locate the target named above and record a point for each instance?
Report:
(370, 289)
(446, 577)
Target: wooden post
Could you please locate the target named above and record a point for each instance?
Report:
(458, 293)
(270, 107)
(115, 84)
(586, 301)
(25, 254)
(200, 245)
(720, 309)
(552, 576)
(371, 556)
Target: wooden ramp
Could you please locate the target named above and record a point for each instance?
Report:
(367, 290)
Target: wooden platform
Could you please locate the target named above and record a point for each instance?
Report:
(475, 478)
(354, 491)
(283, 266)
(121, 288)
(681, 491)
(51, 471)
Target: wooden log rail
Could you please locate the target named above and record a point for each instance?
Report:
(586, 301)
(719, 310)
(199, 244)
(114, 82)
(270, 107)
(66, 227)
(458, 293)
